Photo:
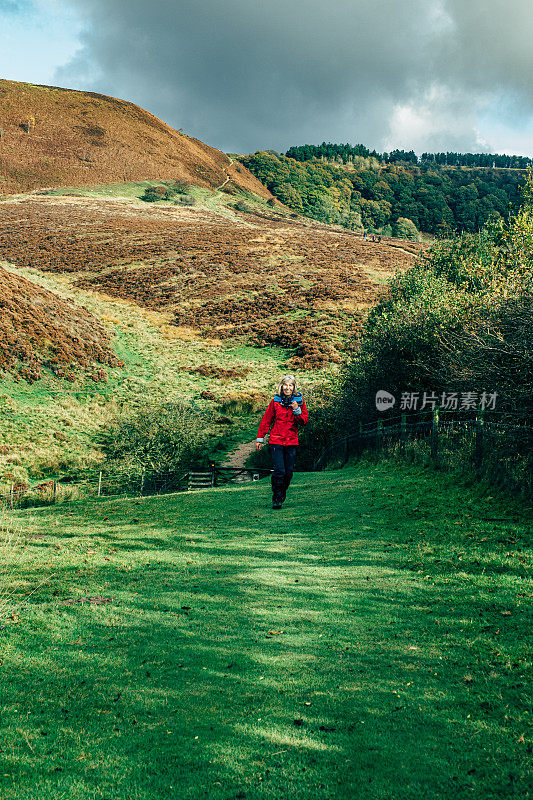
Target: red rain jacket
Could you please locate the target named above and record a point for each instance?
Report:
(286, 422)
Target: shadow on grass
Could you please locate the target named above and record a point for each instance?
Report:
(214, 659)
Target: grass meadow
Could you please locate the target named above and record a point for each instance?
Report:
(368, 641)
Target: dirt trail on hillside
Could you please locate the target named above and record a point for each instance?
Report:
(238, 457)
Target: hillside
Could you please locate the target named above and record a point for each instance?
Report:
(194, 298)
(40, 329)
(60, 137)
(272, 280)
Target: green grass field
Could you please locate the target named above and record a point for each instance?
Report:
(369, 641)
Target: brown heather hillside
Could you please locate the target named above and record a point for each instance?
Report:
(258, 277)
(52, 137)
(38, 329)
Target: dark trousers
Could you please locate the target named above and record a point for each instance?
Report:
(283, 462)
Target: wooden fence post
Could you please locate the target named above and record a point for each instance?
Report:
(435, 434)
(478, 452)
(379, 435)
(142, 482)
(212, 474)
(403, 433)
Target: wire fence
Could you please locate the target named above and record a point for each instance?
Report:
(127, 482)
(494, 446)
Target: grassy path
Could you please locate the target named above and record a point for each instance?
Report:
(366, 642)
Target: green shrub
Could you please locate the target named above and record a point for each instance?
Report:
(154, 193)
(240, 205)
(185, 200)
(459, 321)
(180, 187)
(404, 228)
(159, 440)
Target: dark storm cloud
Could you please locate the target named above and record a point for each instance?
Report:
(490, 47)
(249, 74)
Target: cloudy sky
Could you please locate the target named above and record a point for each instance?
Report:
(244, 75)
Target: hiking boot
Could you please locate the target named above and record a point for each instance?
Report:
(278, 492)
(284, 488)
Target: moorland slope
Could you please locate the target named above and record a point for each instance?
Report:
(257, 274)
(61, 137)
(38, 329)
(193, 298)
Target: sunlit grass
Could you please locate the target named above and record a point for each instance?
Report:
(368, 641)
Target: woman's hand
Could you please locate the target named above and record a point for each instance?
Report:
(294, 405)
(258, 445)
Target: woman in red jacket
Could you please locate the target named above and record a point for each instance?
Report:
(285, 413)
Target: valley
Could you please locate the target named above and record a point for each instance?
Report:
(201, 302)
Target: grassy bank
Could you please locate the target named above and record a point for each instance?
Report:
(367, 641)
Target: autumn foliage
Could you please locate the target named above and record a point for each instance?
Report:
(39, 329)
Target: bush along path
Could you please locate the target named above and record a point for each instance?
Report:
(367, 642)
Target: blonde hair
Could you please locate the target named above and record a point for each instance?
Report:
(287, 379)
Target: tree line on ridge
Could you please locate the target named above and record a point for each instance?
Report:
(393, 194)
